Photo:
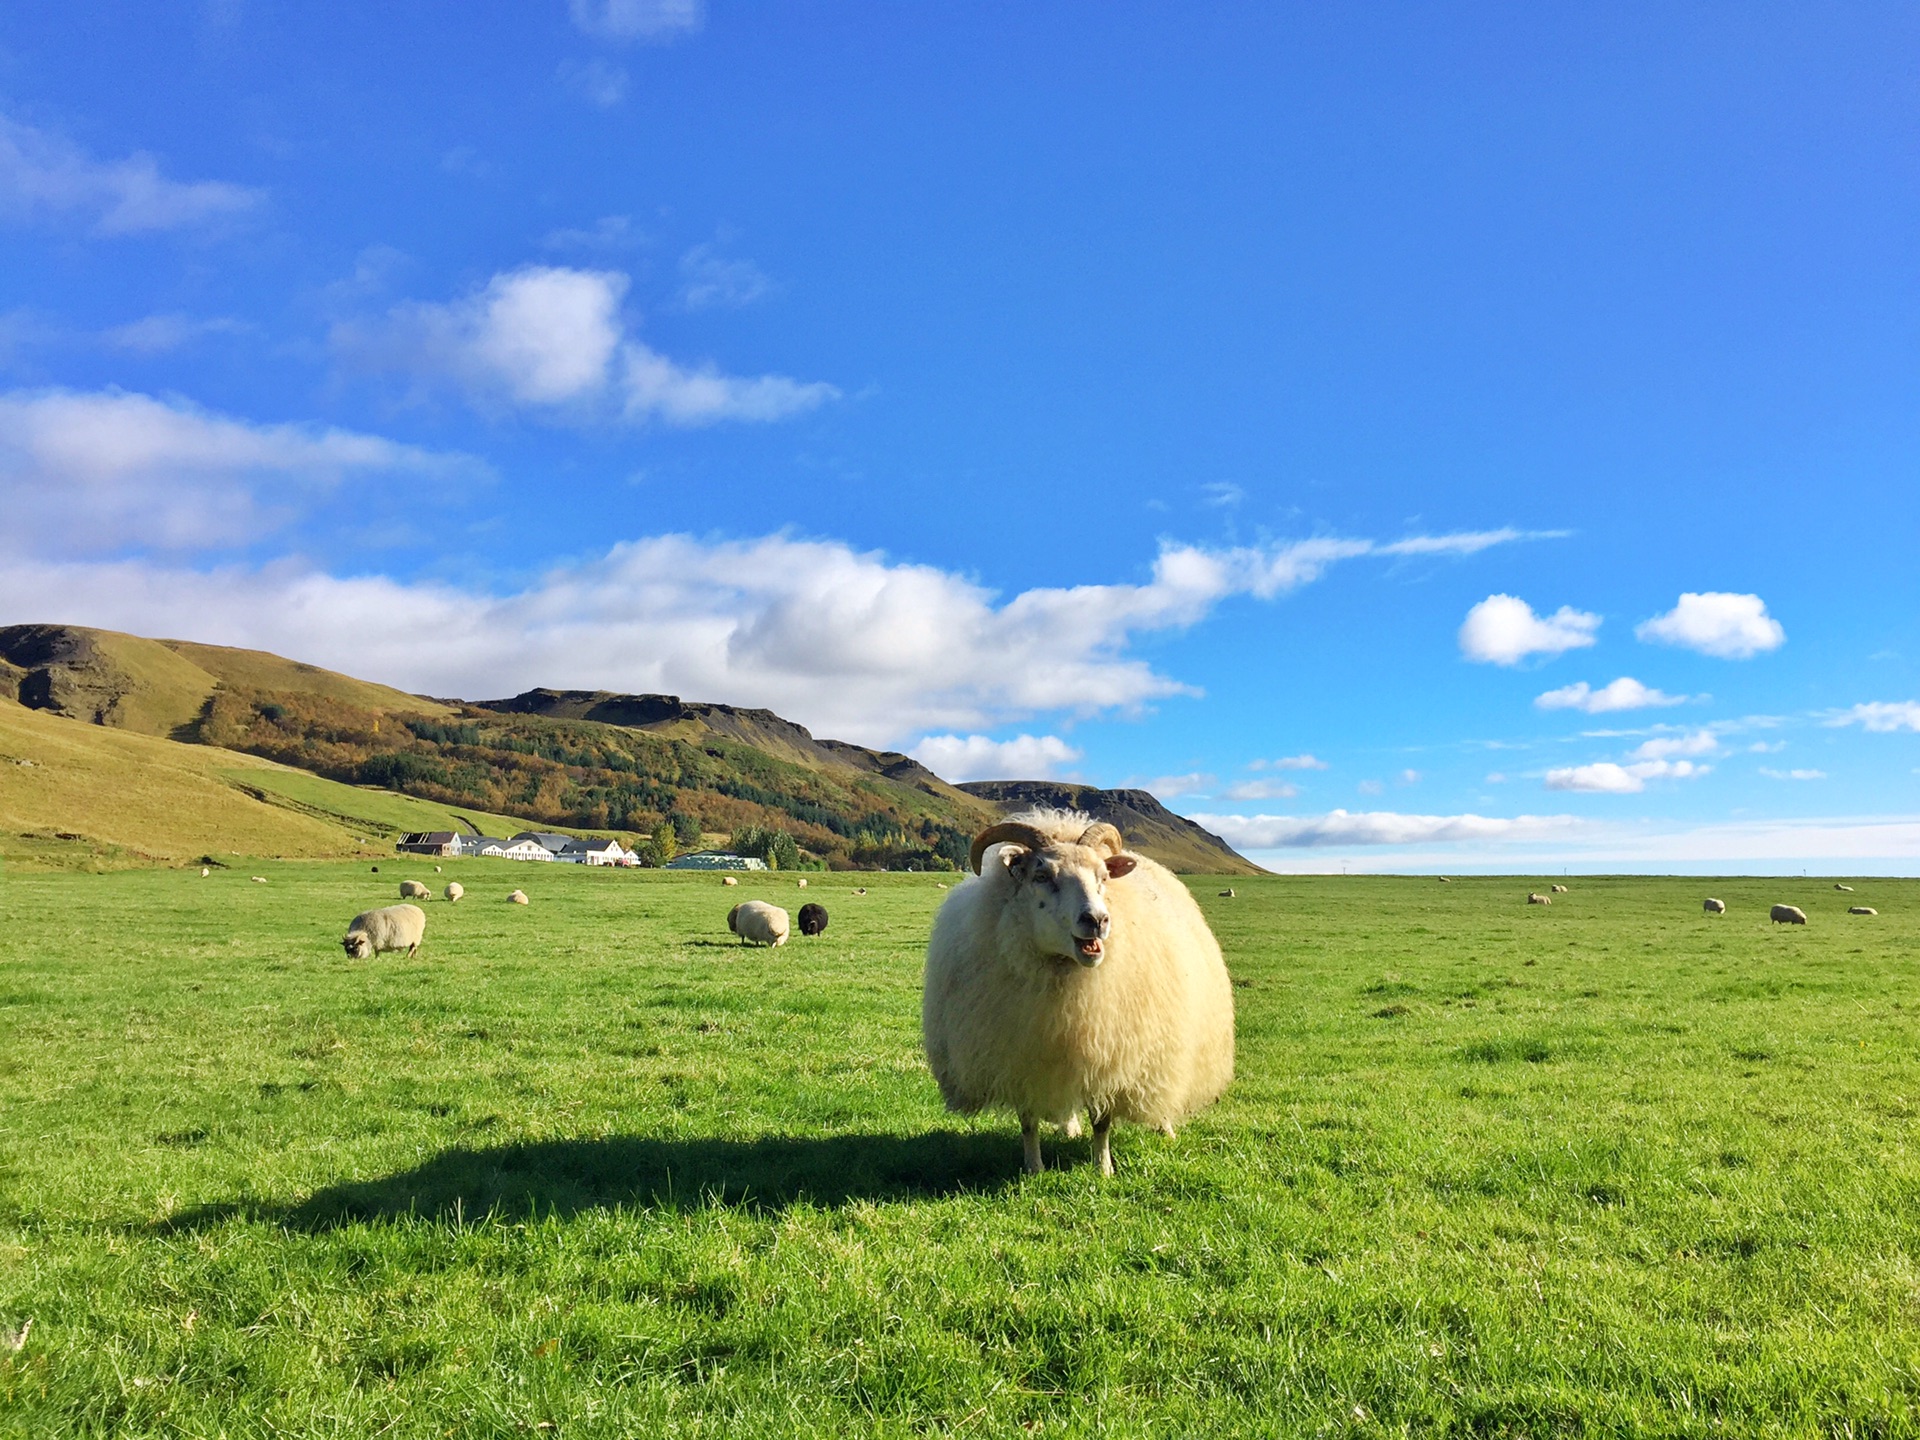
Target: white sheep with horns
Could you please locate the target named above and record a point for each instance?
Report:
(1074, 974)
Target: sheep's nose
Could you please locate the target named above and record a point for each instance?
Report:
(1093, 921)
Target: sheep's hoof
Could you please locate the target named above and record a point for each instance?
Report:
(1169, 1132)
(1030, 1146)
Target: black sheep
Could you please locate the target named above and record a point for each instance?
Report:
(813, 919)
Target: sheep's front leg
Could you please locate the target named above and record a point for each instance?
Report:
(1030, 1143)
(1102, 1155)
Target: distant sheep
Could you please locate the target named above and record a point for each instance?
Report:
(1227, 894)
(1535, 898)
(1847, 888)
(1787, 915)
(728, 880)
(1861, 910)
(758, 923)
(374, 868)
(1443, 879)
(413, 890)
(258, 879)
(1074, 974)
(517, 897)
(455, 890)
(1560, 890)
(1714, 907)
(205, 872)
(801, 883)
(813, 919)
(861, 890)
(396, 927)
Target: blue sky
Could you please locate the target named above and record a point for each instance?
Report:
(1288, 408)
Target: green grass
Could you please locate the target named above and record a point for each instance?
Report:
(588, 1169)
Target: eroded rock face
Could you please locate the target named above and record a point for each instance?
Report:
(60, 669)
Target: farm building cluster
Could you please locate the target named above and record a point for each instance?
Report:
(567, 849)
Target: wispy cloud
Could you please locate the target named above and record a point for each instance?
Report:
(162, 334)
(1377, 827)
(47, 177)
(649, 20)
(709, 280)
(554, 340)
(598, 82)
(1289, 762)
(1793, 774)
(1503, 630)
(1727, 626)
(1169, 787)
(960, 758)
(1883, 716)
(1262, 790)
(1626, 693)
(85, 472)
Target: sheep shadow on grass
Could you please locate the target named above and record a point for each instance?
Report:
(570, 1177)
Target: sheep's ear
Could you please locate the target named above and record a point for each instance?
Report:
(1121, 864)
(1018, 860)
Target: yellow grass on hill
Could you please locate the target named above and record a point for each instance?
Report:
(260, 670)
(78, 794)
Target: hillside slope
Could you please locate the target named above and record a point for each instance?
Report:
(93, 795)
(1149, 826)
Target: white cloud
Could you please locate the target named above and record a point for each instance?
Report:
(1665, 747)
(1409, 777)
(959, 758)
(1766, 747)
(1262, 790)
(1223, 493)
(1370, 787)
(1626, 693)
(708, 279)
(1470, 542)
(1730, 627)
(158, 334)
(44, 176)
(1793, 774)
(554, 337)
(655, 20)
(1290, 762)
(1607, 778)
(1381, 827)
(596, 81)
(1503, 630)
(1883, 716)
(86, 472)
(1166, 787)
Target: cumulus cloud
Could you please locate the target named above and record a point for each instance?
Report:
(708, 279)
(47, 177)
(1378, 827)
(1626, 693)
(651, 20)
(1262, 790)
(1730, 627)
(1793, 774)
(1607, 778)
(1503, 630)
(554, 338)
(82, 472)
(1884, 716)
(1665, 747)
(959, 758)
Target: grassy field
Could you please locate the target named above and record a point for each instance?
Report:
(587, 1168)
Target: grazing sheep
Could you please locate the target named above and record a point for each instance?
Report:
(728, 880)
(1847, 888)
(1714, 907)
(455, 890)
(1787, 915)
(813, 919)
(758, 923)
(1535, 898)
(861, 891)
(801, 883)
(396, 927)
(1444, 879)
(412, 890)
(1560, 890)
(258, 879)
(1861, 910)
(374, 868)
(1074, 974)
(205, 872)
(518, 897)
(436, 869)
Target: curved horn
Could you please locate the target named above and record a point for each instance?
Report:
(1006, 831)
(1102, 836)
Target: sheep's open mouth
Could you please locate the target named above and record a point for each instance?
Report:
(1090, 950)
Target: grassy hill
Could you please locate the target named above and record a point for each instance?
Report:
(95, 796)
(652, 768)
